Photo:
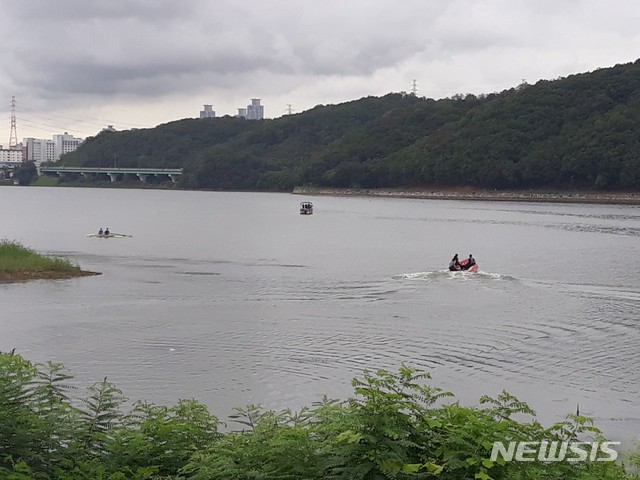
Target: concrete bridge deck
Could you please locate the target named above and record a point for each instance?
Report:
(114, 173)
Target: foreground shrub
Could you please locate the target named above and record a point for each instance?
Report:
(395, 426)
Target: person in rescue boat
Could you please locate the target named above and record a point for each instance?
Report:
(471, 262)
(454, 264)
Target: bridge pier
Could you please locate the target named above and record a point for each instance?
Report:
(114, 174)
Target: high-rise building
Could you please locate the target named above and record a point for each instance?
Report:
(65, 143)
(208, 112)
(39, 151)
(255, 111)
(11, 156)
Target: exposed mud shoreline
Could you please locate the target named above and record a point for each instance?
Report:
(11, 276)
(622, 198)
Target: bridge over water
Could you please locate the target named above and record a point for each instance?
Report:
(114, 173)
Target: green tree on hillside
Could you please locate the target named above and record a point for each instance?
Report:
(574, 132)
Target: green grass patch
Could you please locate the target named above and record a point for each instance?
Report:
(16, 257)
(44, 181)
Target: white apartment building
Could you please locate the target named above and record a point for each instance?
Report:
(39, 151)
(255, 111)
(65, 143)
(10, 157)
(208, 112)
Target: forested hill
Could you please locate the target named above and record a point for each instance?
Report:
(582, 131)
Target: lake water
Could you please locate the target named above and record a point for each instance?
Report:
(235, 298)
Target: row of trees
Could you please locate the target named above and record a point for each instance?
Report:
(395, 426)
(575, 132)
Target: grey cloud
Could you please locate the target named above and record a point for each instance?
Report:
(151, 38)
(156, 50)
(73, 11)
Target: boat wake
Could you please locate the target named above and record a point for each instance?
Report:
(448, 275)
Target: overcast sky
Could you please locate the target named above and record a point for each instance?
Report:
(79, 65)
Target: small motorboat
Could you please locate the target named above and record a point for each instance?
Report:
(306, 208)
(464, 265)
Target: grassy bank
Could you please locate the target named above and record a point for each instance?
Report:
(45, 182)
(18, 262)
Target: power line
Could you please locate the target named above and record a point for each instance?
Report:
(98, 123)
(57, 125)
(43, 126)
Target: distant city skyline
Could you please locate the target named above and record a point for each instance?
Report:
(253, 111)
(70, 72)
(39, 150)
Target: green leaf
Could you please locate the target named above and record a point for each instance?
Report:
(349, 436)
(434, 468)
(391, 466)
(434, 423)
(482, 476)
(411, 467)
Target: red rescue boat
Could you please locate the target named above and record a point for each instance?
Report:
(464, 265)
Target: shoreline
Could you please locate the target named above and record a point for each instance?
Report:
(454, 193)
(613, 198)
(14, 276)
